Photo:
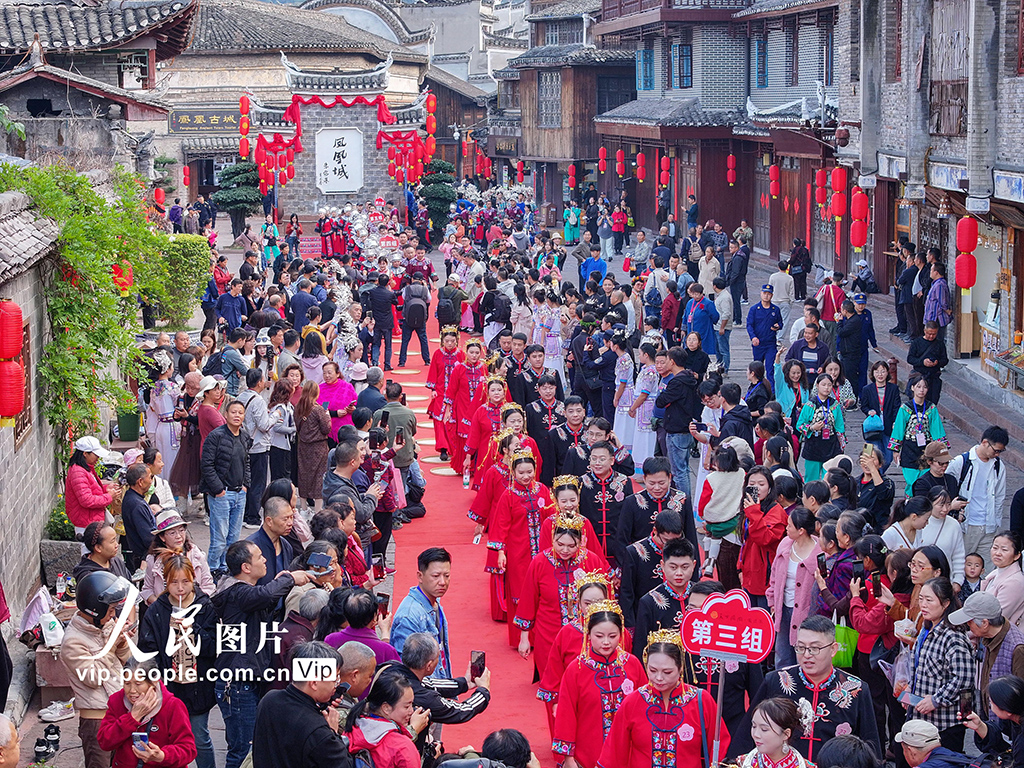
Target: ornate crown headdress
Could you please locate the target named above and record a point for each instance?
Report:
(670, 636)
(495, 378)
(565, 481)
(524, 453)
(450, 330)
(601, 606)
(511, 407)
(589, 578)
(474, 343)
(568, 522)
(503, 433)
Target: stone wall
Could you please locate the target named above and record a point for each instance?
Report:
(301, 195)
(27, 488)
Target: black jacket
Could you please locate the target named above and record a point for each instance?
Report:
(851, 340)
(292, 732)
(225, 461)
(921, 349)
(240, 603)
(381, 300)
(680, 401)
(888, 411)
(300, 304)
(262, 540)
(198, 696)
(117, 567)
(905, 285)
(138, 523)
(737, 423)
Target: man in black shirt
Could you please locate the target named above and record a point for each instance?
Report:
(936, 456)
(641, 567)
(681, 404)
(927, 356)
(381, 299)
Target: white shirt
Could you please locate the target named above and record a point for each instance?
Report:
(785, 292)
(977, 503)
(947, 535)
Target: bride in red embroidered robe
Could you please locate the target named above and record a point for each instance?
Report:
(566, 490)
(666, 723)
(593, 688)
(515, 531)
(485, 424)
(547, 602)
(496, 481)
(459, 401)
(442, 365)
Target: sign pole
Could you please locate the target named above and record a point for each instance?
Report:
(718, 720)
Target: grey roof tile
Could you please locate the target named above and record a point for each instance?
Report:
(671, 112)
(566, 10)
(25, 237)
(570, 55)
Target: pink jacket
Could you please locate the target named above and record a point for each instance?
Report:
(84, 498)
(776, 592)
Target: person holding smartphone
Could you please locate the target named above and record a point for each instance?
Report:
(763, 527)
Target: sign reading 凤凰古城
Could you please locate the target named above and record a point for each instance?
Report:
(203, 120)
(339, 160)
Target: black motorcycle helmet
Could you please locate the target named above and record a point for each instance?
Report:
(98, 591)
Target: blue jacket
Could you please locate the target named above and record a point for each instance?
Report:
(605, 364)
(139, 523)
(416, 615)
(593, 265)
(760, 322)
(940, 757)
(705, 315)
(231, 308)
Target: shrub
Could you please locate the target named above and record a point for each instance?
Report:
(188, 267)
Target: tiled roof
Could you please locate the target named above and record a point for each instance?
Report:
(75, 80)
(571, 55)
(25, 237)
(450, 81)
(775, 6)
(566, 10)
(671, 113)
(239, 26)
(497, 41)
(384, 11)
(81, 25)
(206, 144)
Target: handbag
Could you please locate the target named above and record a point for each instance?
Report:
(846, 639)
(879, 653)
(873, 428)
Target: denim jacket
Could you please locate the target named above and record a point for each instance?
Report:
(415, 614)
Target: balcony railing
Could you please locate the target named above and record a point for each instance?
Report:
(613, 9)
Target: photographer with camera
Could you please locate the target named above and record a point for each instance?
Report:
(297, 727)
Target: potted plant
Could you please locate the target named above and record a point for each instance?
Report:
(59, 550)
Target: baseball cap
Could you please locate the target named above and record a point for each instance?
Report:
(90, 444)
(980, 606)
(860, 298)
(767, 288)
(936, 449)
(862, 263)
(918, 734)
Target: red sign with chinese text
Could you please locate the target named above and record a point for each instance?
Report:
(389, 242)
(729, 624)
(376, 217)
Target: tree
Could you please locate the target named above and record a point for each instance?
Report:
(188, 266)
(239, 194)
(438, 191)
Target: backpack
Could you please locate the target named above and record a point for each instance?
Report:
(215, 365)
(967, 467)
(415, 312)
(573, 218)
(652, 301)
(445, 312)
(362, 758)
(502, 308)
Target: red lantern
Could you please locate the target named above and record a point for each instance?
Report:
(519, 177)
(159, 196)
(641, 173)
(967, 235)
(858, 233)
(391, 169)
(730, 161)
(859, 205)
(123, 277)
(641, 159)
(839, 179)
(602, 165)
(271, 160)
(431, 145)
(431, 104)
(290, 171)
(820, 195)
(431, 124)
(243, 147)
(185, 173)
(666, 164)
(966, 270)
(774, 188)
(290, 155)
(465, 149)
(853, 191)
(261, 154)
(417, 153)
(838, 205)
(572, 182)
(263, 188)
(282, 160)
(730, 176)
(282, 177)
(243, 126)
(519, 166)
(602, 153)
(400, 175)
(820, 178)
(572, 169)
(773, 172)
(419, 168)
(10, 329)
(620, 168)
(620, 156)
(665, 178)
(243, 104)
(12, 390)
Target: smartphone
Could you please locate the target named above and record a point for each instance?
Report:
(400, 431)
(700, 426)
(858, 571)
(477, 664)
(822, 565)
(140, 739)
(876, 584)
(383, 602)
(378, 567)
(868, 450)
(384, 418)
(966, 704)
(389, 381)
(910, 699)
(319, 562)
(752, 491)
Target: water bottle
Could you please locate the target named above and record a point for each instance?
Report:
(465, 478)
(62, 585)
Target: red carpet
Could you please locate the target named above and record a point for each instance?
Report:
(513, 700)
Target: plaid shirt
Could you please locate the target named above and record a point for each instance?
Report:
(943, 668)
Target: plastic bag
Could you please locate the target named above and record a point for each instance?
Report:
(898, 673)
(846, 638)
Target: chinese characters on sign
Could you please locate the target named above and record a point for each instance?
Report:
(339, 160)
(202, 120)
(727, 624)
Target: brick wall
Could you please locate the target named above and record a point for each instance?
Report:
(27, 489)
(722, 65)
(809, 43)
(1010, 126)
(301, 194)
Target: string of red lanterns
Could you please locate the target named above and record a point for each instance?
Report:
(730, 166)
(602, 160)
(620, 162)
(820, 183)
(665, 176)
(774, 185)
(859, 212)
(12, 371)
(641, 167)
(966, 265)
(572, 178)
